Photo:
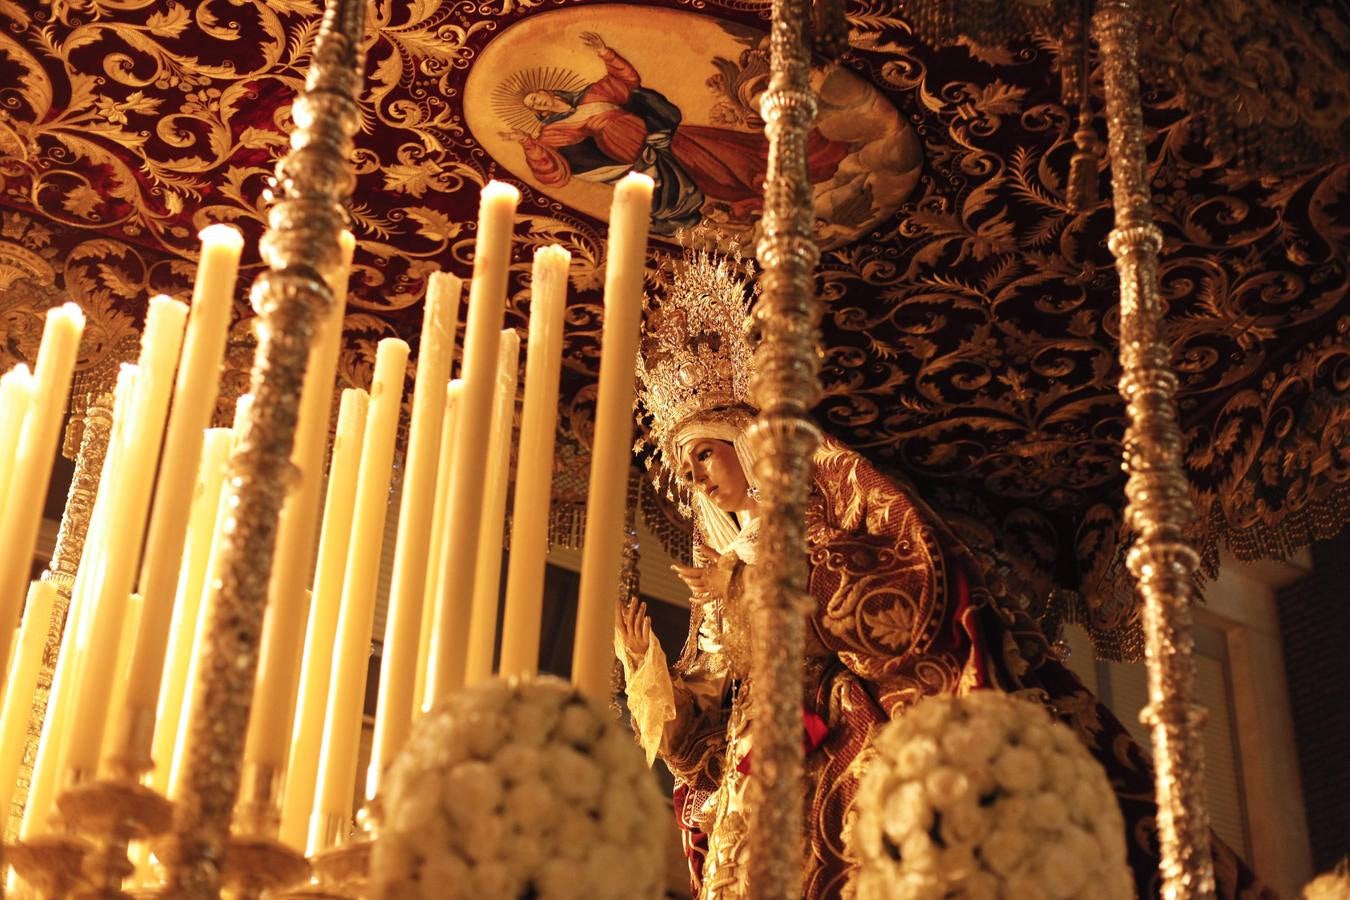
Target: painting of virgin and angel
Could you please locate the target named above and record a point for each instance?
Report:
(669, 104)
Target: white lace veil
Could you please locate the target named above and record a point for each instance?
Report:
(720, 530)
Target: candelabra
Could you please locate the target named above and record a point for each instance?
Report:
(340, 872)
(110, 814)
(52, 863)
(85, 856)
(60, 854)
(1158, 500)
(255, 864)
(302, 250)
(255, 859)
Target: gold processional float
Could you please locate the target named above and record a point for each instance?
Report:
(215, 689)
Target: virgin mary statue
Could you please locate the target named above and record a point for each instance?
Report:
(901, 612)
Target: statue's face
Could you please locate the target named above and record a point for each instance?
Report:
(712, 467)
(545, 101)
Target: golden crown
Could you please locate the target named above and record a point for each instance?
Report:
(695, 354)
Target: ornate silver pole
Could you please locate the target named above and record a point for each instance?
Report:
(1159, 507)
(784, 387)
(302, 251)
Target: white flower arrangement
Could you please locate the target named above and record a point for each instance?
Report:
(519, 789)
(1333, 885)
(985, 797)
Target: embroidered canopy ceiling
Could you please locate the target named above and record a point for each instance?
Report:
(970, 339)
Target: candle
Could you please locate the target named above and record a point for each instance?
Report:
(403, 625)
(482, 336)
(488, 567)
(611, 457)
(534, 465)
(23, 676)
(326, 599)
(351, 651)
(131, 626)
(16, 398)
(435, 569)
(194, 399)
(65, 679)
(274, 693)
(31, 464)
(187, 605)
(126, 528)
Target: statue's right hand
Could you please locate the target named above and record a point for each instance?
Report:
(635, 629)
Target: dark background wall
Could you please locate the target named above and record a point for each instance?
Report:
(1315, 627)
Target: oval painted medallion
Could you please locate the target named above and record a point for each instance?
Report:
(569, 101)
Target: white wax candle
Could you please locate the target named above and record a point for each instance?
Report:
(436, 574)
(131, 626)
(398, 659)
(274, 692)
(65, 680)
(22, 682)
(534, 465)
(325, 601)
(31, 465)
(487, 299)
(188, 601)
(194, 399)
(160, 343)
(16, 398)
(356, 619)
(488, 568)
(210, 584)
(611, 460)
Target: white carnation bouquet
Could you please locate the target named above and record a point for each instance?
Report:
(519, 789)
(985, 797)
(1333, 885)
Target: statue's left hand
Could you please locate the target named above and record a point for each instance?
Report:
(705, 583)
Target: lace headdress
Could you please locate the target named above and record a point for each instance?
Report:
(695, 358)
